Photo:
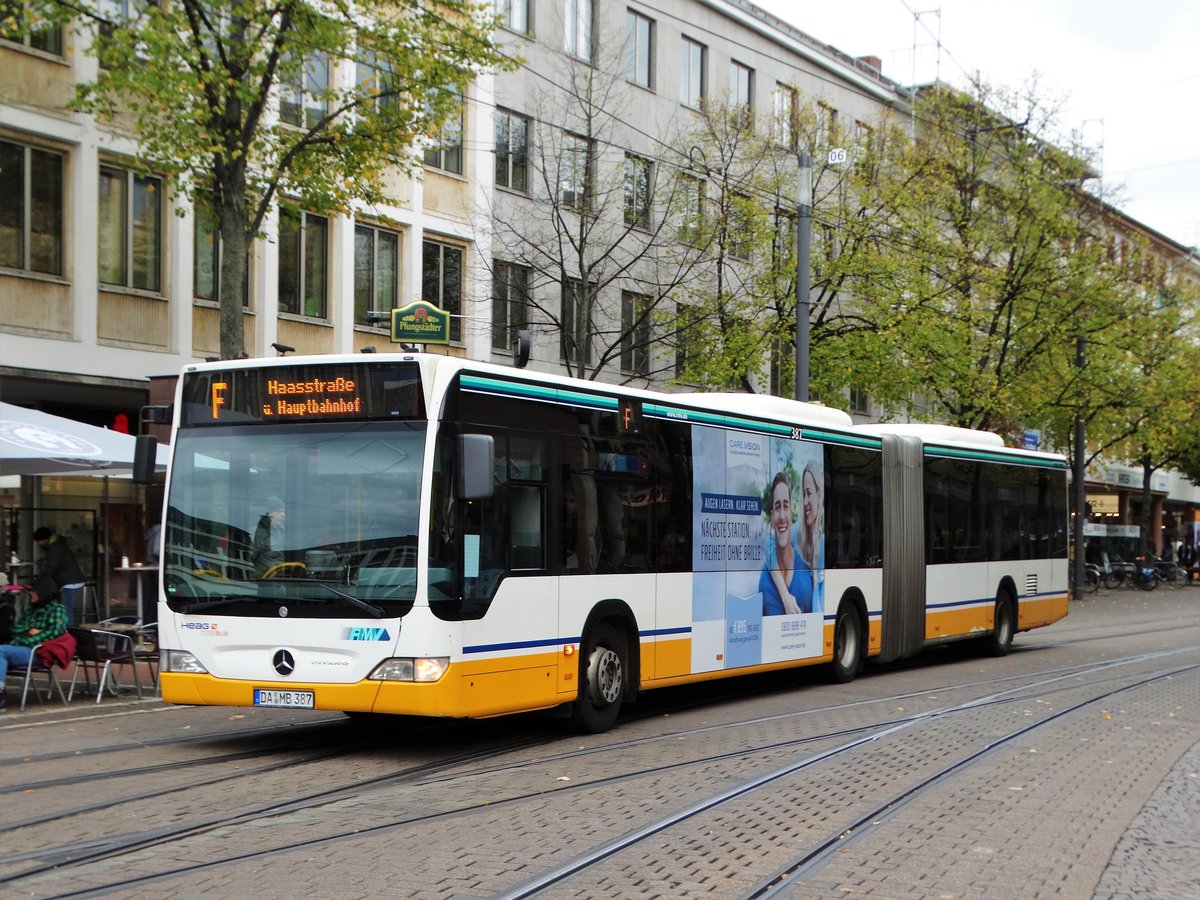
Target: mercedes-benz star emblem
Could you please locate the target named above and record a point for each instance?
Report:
(284, 663)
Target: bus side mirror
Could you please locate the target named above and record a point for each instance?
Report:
(145, 458)
(475, 467)
(521, 347)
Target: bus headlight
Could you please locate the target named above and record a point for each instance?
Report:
(180, 661)
(423, 668)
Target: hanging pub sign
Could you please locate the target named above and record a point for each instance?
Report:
(420, 322)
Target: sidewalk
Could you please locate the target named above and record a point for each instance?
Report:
(38, 703)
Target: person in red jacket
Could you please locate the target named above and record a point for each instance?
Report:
(43, 621)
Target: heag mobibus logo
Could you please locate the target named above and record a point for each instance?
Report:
(365, 634)
(207, 629)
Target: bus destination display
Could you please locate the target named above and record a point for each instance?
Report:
(302, 393)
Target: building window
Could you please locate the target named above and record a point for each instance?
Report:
(113, 14)
(19, 30)
(691, 73)
(827, 126)
(576, 172)
(637, 191)
(639, 49)
(691, 207)
(685, 338)
(635, 333)
(860, 403)
(578, 21)
(741, 87)
(130, 229)
(741, 225)
(376, 273)
(207, 249)
(783, 363)
(375, 78)
(514, 14)
(512, 150)
(303, 264)
(783, 248)
(303, 93)
(786, 110)
(442, 281)
(446, 152)
(510, 303)
(31, 213)
(576, 344)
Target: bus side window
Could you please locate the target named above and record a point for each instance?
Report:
(527, 474)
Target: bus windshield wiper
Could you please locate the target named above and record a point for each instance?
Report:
(376, 611)
(201, 605)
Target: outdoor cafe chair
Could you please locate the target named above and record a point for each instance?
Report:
(100, 651)
(145, 650)
(27, 673)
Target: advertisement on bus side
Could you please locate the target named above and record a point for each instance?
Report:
(758, 549)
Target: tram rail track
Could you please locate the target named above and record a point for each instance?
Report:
(438, 772)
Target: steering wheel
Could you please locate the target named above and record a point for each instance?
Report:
(284, 568)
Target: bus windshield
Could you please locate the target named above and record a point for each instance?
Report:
(318, 517)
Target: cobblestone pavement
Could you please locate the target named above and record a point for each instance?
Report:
(1159, 855)
(1100, 801)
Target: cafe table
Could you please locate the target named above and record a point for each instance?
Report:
(147, 606)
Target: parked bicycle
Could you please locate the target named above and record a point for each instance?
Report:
(1145, 574)
(1171, 573)
(1091, 578)
(1116, 571)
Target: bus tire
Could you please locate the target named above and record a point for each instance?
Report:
(602, 668)
(1004, 625)
(847, 644)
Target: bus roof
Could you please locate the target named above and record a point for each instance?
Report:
(766, 406)
(439, 369)
(950, 435)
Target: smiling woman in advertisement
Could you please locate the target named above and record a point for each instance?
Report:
(786, 581)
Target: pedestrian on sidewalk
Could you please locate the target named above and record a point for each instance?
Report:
(60, 564)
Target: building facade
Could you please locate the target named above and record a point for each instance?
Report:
(560, 202)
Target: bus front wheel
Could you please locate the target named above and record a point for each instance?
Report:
(847, 644)
(601, 680)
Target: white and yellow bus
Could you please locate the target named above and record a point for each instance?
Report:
(417, 534)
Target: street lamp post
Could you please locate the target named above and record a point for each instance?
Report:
(1078, 488)
(803, 251)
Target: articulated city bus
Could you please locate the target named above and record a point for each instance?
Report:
(417, 534)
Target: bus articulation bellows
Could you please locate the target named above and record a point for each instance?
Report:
(418, 534)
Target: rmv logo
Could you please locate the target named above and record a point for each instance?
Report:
(365, 634)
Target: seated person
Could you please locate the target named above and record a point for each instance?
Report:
(45, 620)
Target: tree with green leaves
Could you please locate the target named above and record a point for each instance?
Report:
(997, 278)
(748, 320)
(301, 105)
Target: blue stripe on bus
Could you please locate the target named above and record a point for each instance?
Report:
(554, 642)
(519, 645)
(953, 603)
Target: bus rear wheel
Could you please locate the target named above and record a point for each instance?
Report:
(847, 644)
(1003, 627)
(601, 680)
